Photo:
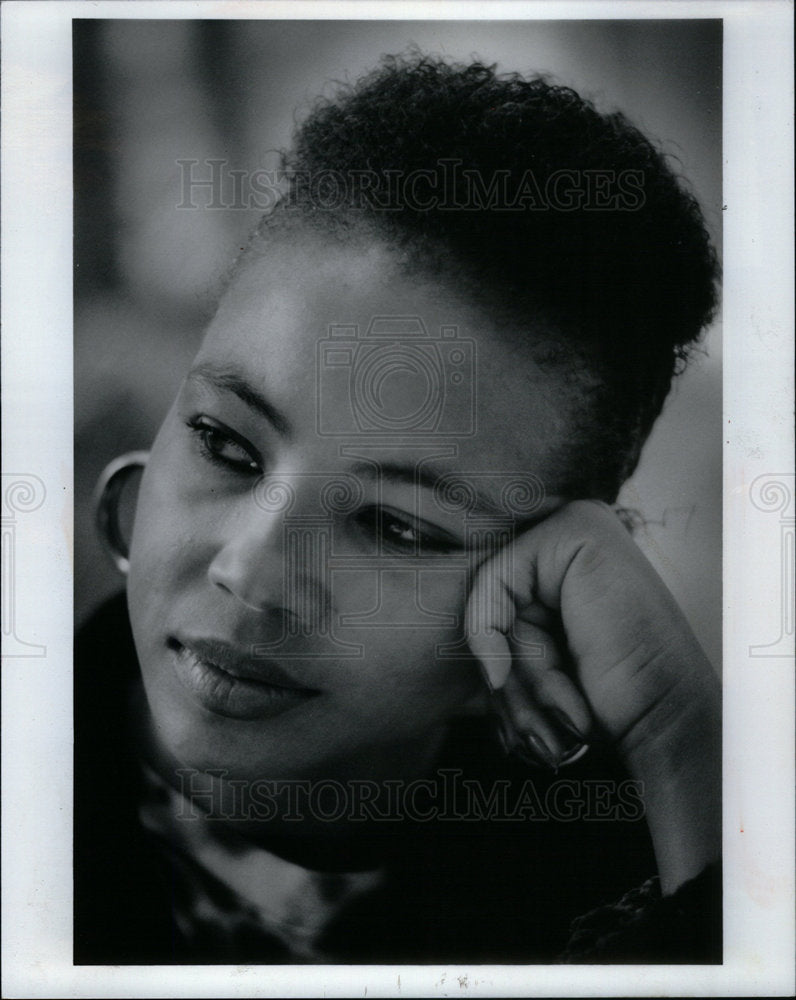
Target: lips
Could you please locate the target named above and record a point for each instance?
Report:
(227, 681)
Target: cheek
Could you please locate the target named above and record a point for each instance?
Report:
(163, 549)
(428, 597)
(415, 611)
(410, 625)
(403, 689)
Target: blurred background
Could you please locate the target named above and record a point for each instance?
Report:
(148, 94)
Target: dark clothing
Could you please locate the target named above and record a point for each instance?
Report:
(487, 880)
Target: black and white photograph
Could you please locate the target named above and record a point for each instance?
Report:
(398, 459)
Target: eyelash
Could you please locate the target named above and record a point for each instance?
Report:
(376, 521)
(205, 430)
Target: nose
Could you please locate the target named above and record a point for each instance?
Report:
(249, 562)
(276, 563)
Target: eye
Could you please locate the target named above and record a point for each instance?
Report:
(222, 446)
(401, 533)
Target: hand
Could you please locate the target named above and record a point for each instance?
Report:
(619, 663)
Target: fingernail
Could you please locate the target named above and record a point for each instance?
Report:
(485, 677)
(567, 723)
(540, 748)
(496, 669)
(574, 754)
(494, 657)
(502, 737)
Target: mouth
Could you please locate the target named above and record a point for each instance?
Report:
(228, 682)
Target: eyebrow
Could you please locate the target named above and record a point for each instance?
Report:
(229, 379)
(423, 475)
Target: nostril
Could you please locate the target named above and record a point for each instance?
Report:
(258, 577)
(221, 586)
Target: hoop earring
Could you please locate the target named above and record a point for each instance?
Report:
(107, 493)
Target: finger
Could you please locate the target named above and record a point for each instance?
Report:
(485, 614)
(501, 585)
(541, 666)
(528, 727)
(541, 727)
(542, 716)
(535, 565)
(547, 712)
(489, 614)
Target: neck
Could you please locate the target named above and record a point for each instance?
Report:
(344, 822)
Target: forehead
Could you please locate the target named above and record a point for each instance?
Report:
(350, 345)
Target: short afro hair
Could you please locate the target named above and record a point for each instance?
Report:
(539, 206)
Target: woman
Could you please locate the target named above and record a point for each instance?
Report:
(378, 595)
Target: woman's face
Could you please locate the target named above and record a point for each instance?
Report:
(296, 575)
